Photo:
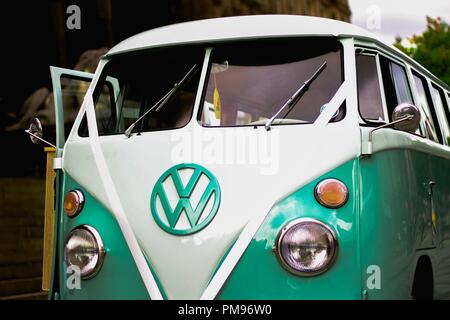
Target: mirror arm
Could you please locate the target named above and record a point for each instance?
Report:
(35, 136)
(369, 142)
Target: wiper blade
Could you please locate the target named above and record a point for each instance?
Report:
(294, 98)
(158, 105)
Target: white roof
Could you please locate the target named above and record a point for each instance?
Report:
(248, 27)
(241, 27)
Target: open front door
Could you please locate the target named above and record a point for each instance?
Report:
(69, 89)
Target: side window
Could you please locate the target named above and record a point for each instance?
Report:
(440, 99)
(72, 94)
(105, 110)
(395, 83)
(402, 88)
(369, 94)
(447, 112)
(442, 108)
(427, 105)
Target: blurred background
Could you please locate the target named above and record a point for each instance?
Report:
(34, 36)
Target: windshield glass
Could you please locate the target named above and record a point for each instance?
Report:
(139, 81)
(250, 81)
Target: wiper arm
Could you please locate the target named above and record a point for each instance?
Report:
(175, 88)
(158, 105)
(296, 95)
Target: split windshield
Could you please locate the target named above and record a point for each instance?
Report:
(249, 82)
(246, 84)
(139, 81)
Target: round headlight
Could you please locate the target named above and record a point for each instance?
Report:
(84, 249)
(331, 193)
(73, 203)
(307, 247)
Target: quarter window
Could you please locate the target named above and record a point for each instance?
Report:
(447, 112)
(395, 84)
(369, 95)
(401, 84)
(442, 108)
(439, 97)
(427, 106)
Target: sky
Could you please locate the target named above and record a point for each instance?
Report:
(391, 18)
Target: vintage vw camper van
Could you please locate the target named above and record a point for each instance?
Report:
(259, 157)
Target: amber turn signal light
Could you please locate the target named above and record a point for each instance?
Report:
(73, 203)
(331, 193)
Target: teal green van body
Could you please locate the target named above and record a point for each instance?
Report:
(382, 224)
(118, 277)
(258, 275)
(393, 231)
(397, 229)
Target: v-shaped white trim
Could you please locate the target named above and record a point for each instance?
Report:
(252, 227)
(232, 258)
(113, 197)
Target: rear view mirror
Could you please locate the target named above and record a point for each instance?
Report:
(406, 117)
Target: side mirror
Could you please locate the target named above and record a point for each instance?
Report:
(35, 132)
(406, 117)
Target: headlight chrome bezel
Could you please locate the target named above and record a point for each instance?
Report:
(100, 247)
(279, 241)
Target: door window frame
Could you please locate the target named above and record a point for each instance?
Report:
(57, 74)
(441, 114)
(372, 53)
(374, 50)
(432, 110)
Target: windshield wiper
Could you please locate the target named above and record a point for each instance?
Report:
(158, 105)
(296, 96)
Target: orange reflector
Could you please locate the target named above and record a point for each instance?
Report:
(331, 193)
(73, 203)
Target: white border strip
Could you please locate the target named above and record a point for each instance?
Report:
(252, 227)
(113, 197)
(333, 106)
(233, 258)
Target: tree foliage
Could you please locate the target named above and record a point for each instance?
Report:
(431, 48)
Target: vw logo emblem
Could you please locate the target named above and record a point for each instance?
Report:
(198, 214)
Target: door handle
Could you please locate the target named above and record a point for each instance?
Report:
(431, 184)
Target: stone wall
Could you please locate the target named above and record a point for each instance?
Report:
(21, 234)
(201, 9)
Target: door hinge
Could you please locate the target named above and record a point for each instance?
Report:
(57, 163)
